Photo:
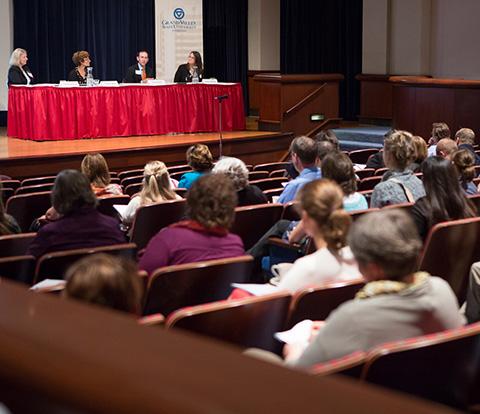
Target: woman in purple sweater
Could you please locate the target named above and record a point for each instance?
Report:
(211, 205)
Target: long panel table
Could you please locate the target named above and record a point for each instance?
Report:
(43, 113)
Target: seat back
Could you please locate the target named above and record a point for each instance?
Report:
(133, 179)
(178, 175)
(54, 265)
(365, 173)
(133, 189)
(15, 244)
(179, 168)
(407, 207)
(249, 322)
(270, 183)
(34, 188)
(19, 268)
(174, 287)
(271, 166)
(350, 365)
(369, 183)
(252, 222)
(149, 220)
(13, 184)
(27, 207)
(450, 249)
(290, 211)
(271, 194)
(278, 173)
(361, 156)
(475, 199)
(5, 194)
(317, 302)
(257, 175)
(129, 173)
(105, 204)
(380, 171)
(440, 367)
(359, 213)
(38, 181)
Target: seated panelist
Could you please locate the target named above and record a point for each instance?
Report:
(139, 72)
(81, 60)
(18, 73)
(186, 72)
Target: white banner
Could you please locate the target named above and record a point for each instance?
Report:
(179, 30)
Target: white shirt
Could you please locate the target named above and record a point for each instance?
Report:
(320, 267)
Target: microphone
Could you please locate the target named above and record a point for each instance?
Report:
(221, 97)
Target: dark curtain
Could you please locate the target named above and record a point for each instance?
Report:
(324, 36)
(112, 31)
(225, 41)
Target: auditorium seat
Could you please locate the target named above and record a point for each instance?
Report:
(5, 194)
(270, 183)
(179, 168)
(50, 179)
(27, 207)
(316, 302)
(15, 244)
(257, 175)
(291, 211)
(475, 199)
(149, 220)
(182, 192)
(361, 156)
(369, 183)
(157, 320)
(278, 173)
(271, 166)
(130, 173)
(365, 173)
(178, 175)
(133, 189)
(106, 203)
(19, 268)
(440, 367)
(270, 194)
(359, 213)
(380, 171)
(174, 287)
(407, 207)
(450, 250)
(367, 194)
(33, 189)
(54, 265)
(134, 179)
(350, 365)
(252, 222)
(249, 322)
(14, 184)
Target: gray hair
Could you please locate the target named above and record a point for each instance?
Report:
(389, 239)
(15, 57)
(235, 169)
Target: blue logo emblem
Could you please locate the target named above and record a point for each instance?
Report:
(179, 13)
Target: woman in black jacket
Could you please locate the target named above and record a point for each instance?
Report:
(186, 72)
(19, 73)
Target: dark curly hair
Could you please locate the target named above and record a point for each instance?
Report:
(212, 200)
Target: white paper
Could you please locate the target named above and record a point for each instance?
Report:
(257, 289)
(301, 332)
(121, 208)
(357, 167)
(49, 284)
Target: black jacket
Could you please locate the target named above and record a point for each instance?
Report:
(16, 77)
(183, 74)
(132, 77)
(75, 76)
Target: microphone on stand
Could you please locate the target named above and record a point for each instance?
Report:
(220, 99)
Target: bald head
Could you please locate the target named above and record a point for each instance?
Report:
(446, 147)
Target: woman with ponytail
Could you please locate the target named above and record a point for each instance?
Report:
(326, 221)
(157, 188)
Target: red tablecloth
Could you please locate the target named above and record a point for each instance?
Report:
(53, 113)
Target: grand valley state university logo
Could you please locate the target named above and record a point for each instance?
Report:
(178, 24)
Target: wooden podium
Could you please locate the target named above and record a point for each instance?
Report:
(420, 101)
(301, 104)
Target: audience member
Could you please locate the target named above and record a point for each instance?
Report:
(444, 199)
(8, 224)
(323, 148)
(445, 148)
(464, 162)
(375, 161)
(156, 188)
(401, 185)
(440, 130)
(200, 159)
(105, 280)
(396, 303)
(237, 171)
(79, 224)
(95, 168)
(211, 205)
(304, 152)
(327, 135)
(465, 139)
(472, 309)
(325, 220)
(421, 153)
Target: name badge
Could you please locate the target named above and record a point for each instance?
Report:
(138, 72)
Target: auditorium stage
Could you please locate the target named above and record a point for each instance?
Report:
(22, 158)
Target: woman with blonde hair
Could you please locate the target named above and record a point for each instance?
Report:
(157, 187)
(325, 220)
(18, 72)
(95, 167)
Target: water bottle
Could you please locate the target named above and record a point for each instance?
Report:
(195, 75)
(89, 76)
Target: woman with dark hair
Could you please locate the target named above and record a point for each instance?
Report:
(464, 162)
(205, 235)
(192, 71)
(79, 224)
(444, 198)
(8, 224)
(81, 60)
(105, 280)
(200, 159)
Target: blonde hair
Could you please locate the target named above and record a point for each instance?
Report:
(156, 184)
(421, 149)
(78, 57)
(95, 168)
(322, 200)
(400, 146)
(465, 136)
(15, 56)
